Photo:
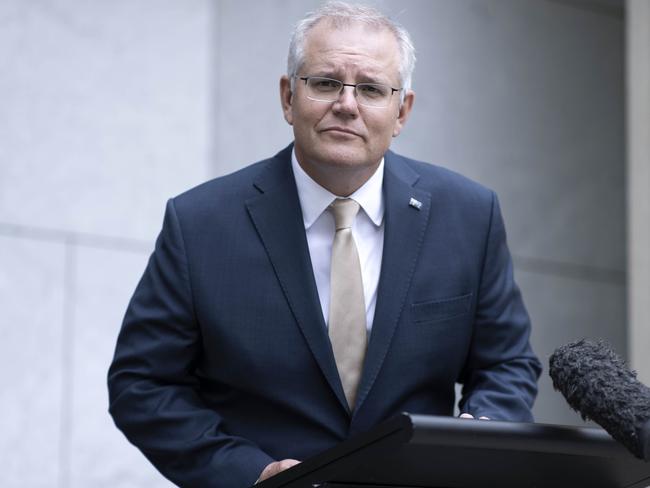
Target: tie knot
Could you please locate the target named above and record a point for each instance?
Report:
(344, 211)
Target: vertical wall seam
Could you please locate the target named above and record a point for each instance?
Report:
(67, 371)
(214, 129)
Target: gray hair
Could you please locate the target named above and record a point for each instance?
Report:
(342, 13)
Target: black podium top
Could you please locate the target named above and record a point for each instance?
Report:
(416, 451)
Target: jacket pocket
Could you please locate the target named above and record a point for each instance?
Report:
(442, 309)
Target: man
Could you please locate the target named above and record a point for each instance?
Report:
(312, 295)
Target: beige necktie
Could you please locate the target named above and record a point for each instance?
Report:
(347, 311)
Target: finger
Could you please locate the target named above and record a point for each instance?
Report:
(287, 463)
(276, 467)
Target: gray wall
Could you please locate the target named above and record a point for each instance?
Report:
(109, 108)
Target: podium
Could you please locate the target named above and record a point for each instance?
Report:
(417, 451)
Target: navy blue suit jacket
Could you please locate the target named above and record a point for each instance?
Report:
(223, 363)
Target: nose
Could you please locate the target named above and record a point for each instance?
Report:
(346, 103)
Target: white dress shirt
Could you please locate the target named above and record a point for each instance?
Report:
(367, 230)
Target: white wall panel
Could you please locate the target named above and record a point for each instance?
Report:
(34, 338)
(105, 111)
(105, 281)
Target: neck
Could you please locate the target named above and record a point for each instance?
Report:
(341, 180)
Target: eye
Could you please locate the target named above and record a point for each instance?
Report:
(372, 90)
(324, 84)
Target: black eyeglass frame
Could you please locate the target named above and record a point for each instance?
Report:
(343, 85)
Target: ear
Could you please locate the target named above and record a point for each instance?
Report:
(404, 112)
(286, 99)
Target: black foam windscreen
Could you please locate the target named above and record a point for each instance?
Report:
(597, 383)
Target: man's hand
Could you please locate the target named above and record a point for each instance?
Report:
(274, 468)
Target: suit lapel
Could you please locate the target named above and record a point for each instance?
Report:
(405, 225)
(278, 220)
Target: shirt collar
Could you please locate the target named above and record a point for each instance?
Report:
(314, 199)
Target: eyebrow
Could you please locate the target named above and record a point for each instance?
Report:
(361, 78)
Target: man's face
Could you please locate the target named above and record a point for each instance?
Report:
(342, 136)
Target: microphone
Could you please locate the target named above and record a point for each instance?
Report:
(597, 384)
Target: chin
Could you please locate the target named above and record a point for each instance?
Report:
(347, 157)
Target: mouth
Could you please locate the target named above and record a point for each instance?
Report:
(341, 130)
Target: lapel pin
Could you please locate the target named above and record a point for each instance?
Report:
(417, 204)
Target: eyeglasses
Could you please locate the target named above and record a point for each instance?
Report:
(375, 95)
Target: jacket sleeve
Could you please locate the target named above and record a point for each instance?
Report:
(500, 376)
(154, 393)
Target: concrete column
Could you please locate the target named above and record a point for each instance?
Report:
(638, 178)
